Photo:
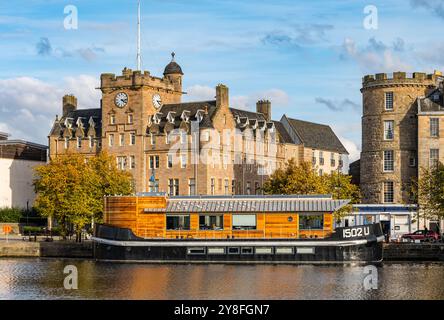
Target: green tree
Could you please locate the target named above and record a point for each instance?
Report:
(302, 179)
(71, 188)
(428, 190)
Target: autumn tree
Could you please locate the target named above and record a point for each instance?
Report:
(428, 190)
(71, 188)
(303, 180)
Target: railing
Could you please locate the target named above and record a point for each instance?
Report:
(231, 234)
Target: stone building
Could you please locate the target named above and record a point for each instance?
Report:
(17, 161)
(400, 133)
(204, 147)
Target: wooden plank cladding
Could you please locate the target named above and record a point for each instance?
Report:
(148, 217)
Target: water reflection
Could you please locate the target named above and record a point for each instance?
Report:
(43, 279)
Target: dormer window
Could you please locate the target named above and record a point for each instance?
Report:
(199, 115)
(91, 122)
(91, 142)
(185, 115)
(66, 143)
(170, 117)
(79, 123)
(157, 117)
(79, 142)
(68, 123)
(435, 97)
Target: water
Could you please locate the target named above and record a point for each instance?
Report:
(43, 279)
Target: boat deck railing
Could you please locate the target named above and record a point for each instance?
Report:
(232, 234)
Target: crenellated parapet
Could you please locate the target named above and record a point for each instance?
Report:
(400, 79)
(135, 79)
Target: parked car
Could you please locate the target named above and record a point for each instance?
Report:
(422, 236)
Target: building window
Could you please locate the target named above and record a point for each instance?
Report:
(79, 142)
(321, 172)
(388, 192)
(321, 158)
(132, 138)
(173, 187)
(389, 130)
(183, 161)
(154, 186)
(111, 140)
(167, 138)
(389, 101)
(91, 142)
(169, 160)
(434, 127)
(183, 137)
(130, 118)
(192, 187)
(153, 139)
(388, 161)
(434, 157)
(122, 139)
(66, 143)
(132, 163)
(248, 187)
(179, 222)
(121, 163)
(213, 182)
(332, 160)
(244, 221)
(311, 221)
(112, 119)
(257, 189)
(233, 186)
(154, 162)
(227, 186)
(412, 160)
(211, 222)
(313, 159)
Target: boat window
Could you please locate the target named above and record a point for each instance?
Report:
(211, 222)
(247, 250)
(311, 221)
(196, 250)
(288, 250)
(244, 222)
(179, 222)
(233, 250)
(309, 250)
(216, 250)
(264, 250)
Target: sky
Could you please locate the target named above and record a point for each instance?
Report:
(307, 57)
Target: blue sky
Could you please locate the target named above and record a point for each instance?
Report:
(307, 57)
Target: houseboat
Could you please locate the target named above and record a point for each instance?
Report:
(231, 229)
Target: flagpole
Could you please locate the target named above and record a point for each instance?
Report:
(138, 37)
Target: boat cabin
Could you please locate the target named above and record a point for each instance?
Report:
(155, 215)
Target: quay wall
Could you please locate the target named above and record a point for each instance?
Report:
(414, 252)
(57, 249)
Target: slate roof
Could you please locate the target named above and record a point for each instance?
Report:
(284, 136)
(431, 103)
(252, 204)
(317, 136)
(247, 114)
(84, 115)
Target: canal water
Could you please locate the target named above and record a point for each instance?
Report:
(44, 279)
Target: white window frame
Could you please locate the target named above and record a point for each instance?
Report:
(434, 127)
(386, 130)
(111, 140)
(388, 160)
(386, 99)
(385, 183)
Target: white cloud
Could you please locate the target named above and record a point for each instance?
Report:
(28, 106)
(352, 148)
(276, 96)
(376, 56)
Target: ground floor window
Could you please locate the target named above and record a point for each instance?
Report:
(312, 221)
(179, 222)
(211, 222)
(244, 222)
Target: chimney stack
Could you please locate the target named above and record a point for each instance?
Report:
(264, 107)
(222, 99)
(69, 104)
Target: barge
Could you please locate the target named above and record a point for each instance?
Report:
(231, 229)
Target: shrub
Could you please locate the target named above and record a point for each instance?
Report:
(10, 215)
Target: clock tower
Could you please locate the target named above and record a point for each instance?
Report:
(127, 102)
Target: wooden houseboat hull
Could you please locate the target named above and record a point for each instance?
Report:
(360, 244)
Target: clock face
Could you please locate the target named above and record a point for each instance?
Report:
(157, 101)
(121, 99)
